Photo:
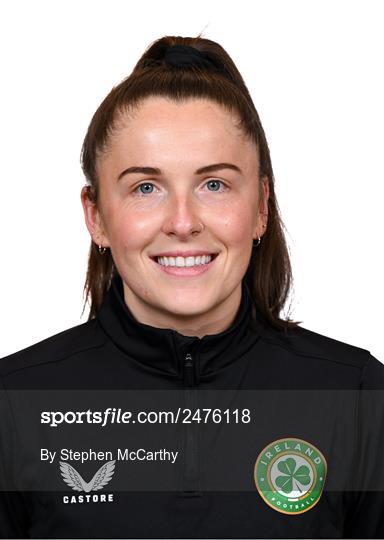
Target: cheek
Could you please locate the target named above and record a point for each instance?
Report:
(235, 225)
(129, 230)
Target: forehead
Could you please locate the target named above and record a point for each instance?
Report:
(194, 131)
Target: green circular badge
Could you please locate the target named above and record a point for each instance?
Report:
(290, 474)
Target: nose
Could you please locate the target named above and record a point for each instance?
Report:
(182, 216)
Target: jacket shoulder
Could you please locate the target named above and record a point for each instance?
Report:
(54, 348)
(305, 342)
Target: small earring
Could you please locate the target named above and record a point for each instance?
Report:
(258, 242)
(102, 250)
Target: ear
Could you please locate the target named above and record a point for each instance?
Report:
(93, 219)
(265, 196)
(262, 215)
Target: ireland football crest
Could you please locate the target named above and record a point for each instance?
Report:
(290, 475)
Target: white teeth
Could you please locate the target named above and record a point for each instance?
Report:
(184, 261)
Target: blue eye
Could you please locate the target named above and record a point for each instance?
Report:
(218, 182)
(151, 186)
(146, 191)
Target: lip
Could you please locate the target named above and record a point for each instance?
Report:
(191, 253)
(186, 271)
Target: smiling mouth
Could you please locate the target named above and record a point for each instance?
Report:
(185, 262)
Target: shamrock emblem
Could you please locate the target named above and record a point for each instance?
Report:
(290, 475)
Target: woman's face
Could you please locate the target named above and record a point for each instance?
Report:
(177, 200)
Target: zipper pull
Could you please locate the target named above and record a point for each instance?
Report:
(189, 371)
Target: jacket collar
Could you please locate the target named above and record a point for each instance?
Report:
(165, 349)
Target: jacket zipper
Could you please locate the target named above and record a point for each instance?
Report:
(189, 371)
(190, 479)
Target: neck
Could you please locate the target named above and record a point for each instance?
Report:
(214, 321)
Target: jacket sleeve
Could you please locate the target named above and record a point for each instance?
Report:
(365, 511)
(13, 513)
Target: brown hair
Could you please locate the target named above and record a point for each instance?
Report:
(269, 275)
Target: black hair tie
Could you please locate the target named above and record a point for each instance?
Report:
(185, 55)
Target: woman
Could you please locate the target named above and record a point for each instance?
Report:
(275, 430)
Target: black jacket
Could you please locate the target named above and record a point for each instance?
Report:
(264, 434)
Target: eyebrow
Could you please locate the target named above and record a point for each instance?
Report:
(154, 170)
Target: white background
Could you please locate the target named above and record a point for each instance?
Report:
(315, 72)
